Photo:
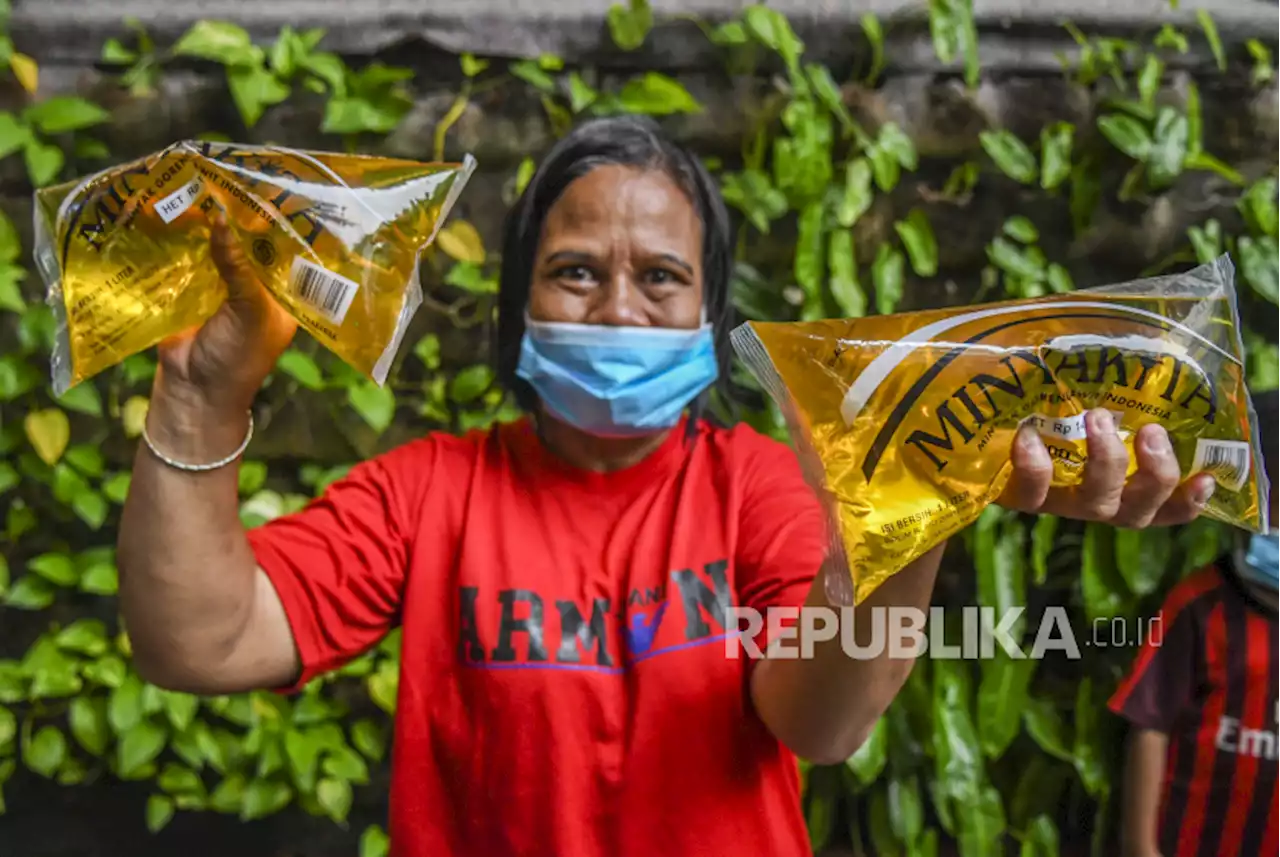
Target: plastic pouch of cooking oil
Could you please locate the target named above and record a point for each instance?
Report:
(125, 253)
(906, 422)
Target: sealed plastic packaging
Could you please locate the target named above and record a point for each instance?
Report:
(908, 420)
(335, 237)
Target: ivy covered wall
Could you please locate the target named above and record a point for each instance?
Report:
(928, 156)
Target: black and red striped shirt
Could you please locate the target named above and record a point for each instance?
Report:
(1208, 681)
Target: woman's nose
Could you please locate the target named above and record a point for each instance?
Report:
(619, 304)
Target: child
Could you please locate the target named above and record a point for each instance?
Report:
(1201, 700)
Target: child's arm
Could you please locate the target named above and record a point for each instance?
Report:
(1143, 774)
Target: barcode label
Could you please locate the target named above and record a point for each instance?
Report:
(1228, 460)
(322, 289)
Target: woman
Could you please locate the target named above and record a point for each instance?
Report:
(561, 582)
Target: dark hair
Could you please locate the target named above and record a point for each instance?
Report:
(631, 141)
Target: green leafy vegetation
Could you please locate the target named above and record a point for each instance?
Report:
(983, 753)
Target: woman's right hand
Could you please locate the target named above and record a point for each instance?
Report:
(208, 376)
(225, 360)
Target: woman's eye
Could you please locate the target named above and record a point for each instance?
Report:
(576, 273)
(661, 276)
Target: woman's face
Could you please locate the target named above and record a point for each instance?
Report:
(621, 246)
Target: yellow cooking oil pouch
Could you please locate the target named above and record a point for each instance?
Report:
(906, 422)
(336, 238)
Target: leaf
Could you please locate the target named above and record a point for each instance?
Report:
(820, 816)
(14, 135)
(772, 30)
(4, 575)
(45, 752)
(875, 36)
(181, 709)
(530, 73)
(856, 199)
(133, 416)
(1142, 557)
(159, 812)
(428, 351)
(1059, 279)
(44, 162)
(1023, 263)
(374, 842)
(1047, 728)
(906, 810)
(1087, 749)
(383, 686)
(1011, 155)
(1046, 527)
(263, 798)
(581, 95)
(102, 579)
(1149, 80)
(808, 263)
(1263, 69)
(8, 727)
(8, 476)
(524, 173)
(1258, 205)
(470, 383)
(82, 398)
(86, 636)
(1040, 839)
(1126, 134)
(63, 114)
(1168, 149)
(87, 459)
(869, 760)
(1021, 229)
(1002, 694)
(1101, 584)
(630, 24)
(887, 276)
(982, 824)
(87, 718)
(254, 89)
(346, 764)
(376, 405)
(922, 247)
(26, 72)
(57, 568)
(138, 747)
(302, 368)
(958, 757)
(828, 92)
(1056, 141)
(1211, 35)
(1205, 161)
(30, 593)
(472, 66)
(1258, 265)
(124, 710)
(114, 53)
(844, 284)
(367, 736)
(461, 241)
(48, 431)
(218, 41)
(302, 748)
(656, 94)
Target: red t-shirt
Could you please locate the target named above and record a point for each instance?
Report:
(564, 683)
(1208, 681)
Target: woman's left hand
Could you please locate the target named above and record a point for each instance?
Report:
(1156, 495)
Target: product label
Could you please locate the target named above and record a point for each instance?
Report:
(173, 205)
(322, 289)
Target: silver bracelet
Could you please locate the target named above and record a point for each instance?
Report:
(199, 468)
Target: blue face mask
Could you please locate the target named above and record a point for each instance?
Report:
(617, 381)
(1262, 560)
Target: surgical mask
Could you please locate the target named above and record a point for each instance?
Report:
(1261, 563)
(617, 381)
